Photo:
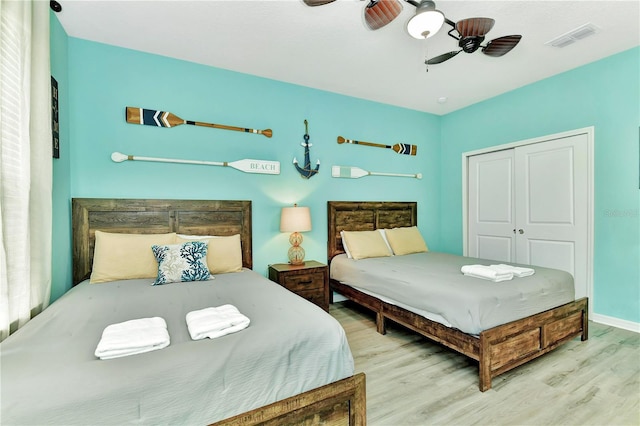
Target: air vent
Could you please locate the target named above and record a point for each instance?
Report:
(574, 35)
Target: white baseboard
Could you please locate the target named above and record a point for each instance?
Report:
(616, 322)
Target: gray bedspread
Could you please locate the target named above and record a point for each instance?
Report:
(432, 285)
(49, 374)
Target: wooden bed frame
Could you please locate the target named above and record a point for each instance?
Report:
(498, 349)
(340, 402)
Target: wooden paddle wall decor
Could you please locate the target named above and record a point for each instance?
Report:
(351, 172)
(246, 165)
(400, 148)
(152, 117)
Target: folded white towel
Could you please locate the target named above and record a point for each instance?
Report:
(486, 273)
(215, 322)
(517, 271)
(133, 337)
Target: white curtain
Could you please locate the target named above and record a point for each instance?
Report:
(25, 162)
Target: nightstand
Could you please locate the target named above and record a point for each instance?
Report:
(310, 280)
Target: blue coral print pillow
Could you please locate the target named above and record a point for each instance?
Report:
(181, 262)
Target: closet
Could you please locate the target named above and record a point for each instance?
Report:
(530, 204)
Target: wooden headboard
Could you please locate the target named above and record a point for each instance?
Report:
(191, 217)
(366, 216)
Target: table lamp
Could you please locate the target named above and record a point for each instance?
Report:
(295, 220)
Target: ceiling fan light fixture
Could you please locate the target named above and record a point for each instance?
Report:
(426, 22)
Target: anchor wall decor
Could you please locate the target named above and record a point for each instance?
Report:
(306, 171)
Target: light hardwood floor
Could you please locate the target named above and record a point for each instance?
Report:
(413, 381)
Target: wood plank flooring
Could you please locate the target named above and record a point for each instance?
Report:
(412, 381)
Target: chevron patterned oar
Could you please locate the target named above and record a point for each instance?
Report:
(152, 117)
(400, 148)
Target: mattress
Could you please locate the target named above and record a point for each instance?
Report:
(49, 374)
(431, 284)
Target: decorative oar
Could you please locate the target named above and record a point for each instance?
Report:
(152, 117)
(247, 166)
(400, 148)
(357, 172)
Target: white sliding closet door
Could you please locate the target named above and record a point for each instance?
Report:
(551, 206)
(529, 205)
(491, 206)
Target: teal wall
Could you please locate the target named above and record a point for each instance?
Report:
(604, 94)
(102, 80)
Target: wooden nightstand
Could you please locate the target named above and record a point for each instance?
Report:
(310, 280)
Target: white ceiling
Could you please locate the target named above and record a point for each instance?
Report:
(329, 48)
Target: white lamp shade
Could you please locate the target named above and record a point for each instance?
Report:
(295, 219)
(425, 24)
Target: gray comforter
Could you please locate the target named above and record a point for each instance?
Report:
(432, 285)
(49, 374)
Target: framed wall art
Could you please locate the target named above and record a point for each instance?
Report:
(55, 124)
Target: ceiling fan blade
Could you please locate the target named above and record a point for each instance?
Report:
(501, 45)
(317, 2)
(474, 27)
(379, 13)
(441, 58)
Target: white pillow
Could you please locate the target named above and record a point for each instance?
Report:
(386, 241)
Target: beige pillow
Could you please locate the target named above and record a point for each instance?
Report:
(224, 254)
(364, 244)
(406, 240)
(346, 248)
(126, 256)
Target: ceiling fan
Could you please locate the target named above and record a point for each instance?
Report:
(427, 21)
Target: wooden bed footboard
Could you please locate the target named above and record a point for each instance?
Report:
(508, 346)
(498, 349)
(342, 402)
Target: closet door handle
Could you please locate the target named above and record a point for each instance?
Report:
(514, 230)
(521, 231)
